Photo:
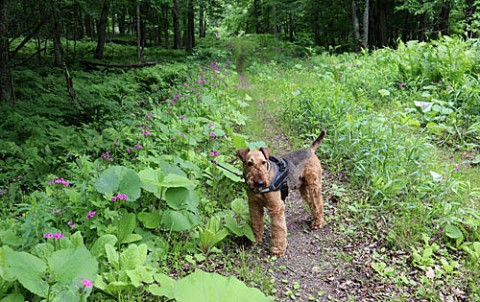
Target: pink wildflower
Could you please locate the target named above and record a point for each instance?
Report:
(87, 283)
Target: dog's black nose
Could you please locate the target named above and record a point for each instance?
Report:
(259, 183)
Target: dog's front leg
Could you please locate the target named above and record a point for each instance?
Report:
(256, 215)
(276, 210)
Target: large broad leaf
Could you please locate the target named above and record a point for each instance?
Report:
(149, 220)
(166, 287)
(151, 180)
(118, 179)
(126, 225)
(212, 287)
(133, 257)
(71, 265)
(13, 298)
(174, 181)
(177, 198)
(179, 220)
(28, 270)
(98, 247)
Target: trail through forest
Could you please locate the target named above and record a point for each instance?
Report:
(319, 265)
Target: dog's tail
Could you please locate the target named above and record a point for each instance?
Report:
(317, 142)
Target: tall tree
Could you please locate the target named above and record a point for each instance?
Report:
(102, 30)
(176, 25)
(6, 84)
(366, 24)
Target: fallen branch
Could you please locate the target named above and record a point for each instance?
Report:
(93, 65)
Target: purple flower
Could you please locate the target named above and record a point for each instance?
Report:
(176, 96)
(212, 134)
(116, 143)
(182, 134)
(57, 236)
(114, 198)
(71, 224)
(214, 153)
(48, 235)
(172, 103)
(90, 214)
(182, 117)
(122, 196)
(457, 167)
(138, 147)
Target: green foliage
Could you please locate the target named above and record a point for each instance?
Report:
(202, 286)
(54, 275)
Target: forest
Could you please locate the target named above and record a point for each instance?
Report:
(119, 179)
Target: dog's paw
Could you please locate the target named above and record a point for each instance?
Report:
(317, 224)
(277, 252)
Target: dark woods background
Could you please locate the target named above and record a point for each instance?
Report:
(345, 25)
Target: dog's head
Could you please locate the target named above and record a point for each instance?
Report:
(256, 167)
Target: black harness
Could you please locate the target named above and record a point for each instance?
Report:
(280, 180)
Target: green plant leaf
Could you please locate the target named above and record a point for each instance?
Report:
(165, 288)
(179, 220)
(13, 298)
(149, 220)
(133, 257)
(119, 179)
(174, 181)
(126, 225)
(28, 270)
(452, 231)
(177, 197)
(151, 181)
(212, 287)
(112, 256)
(140, 275)
(98, 247)
(72, 265)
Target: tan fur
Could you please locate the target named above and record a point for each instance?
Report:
(305, 174)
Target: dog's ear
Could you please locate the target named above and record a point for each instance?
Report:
(266, 152)
(242, 153)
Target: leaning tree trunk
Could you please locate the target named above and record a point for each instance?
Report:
(366, 24)
(102, 31)
(6, 84)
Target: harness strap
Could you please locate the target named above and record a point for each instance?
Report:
(279, 181)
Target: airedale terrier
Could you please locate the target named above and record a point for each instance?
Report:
(268, 178)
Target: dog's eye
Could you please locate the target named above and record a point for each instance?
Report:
(264, 162)
(250, 163)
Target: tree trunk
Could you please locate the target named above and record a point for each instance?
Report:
(356, 26)
(202, 21)
(275, 25)
(255, 16)
(139, 33)
(382, 31)
(176, 25)
(57, 43)
(89, 26)
(366, 24)
(166, 25)
(6, 83)
(291, 33)
(190, 30)
(102, 31)
(316, 26)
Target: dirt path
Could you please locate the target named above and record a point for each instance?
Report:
(320, 265)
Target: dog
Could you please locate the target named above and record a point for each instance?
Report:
(268, 179)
